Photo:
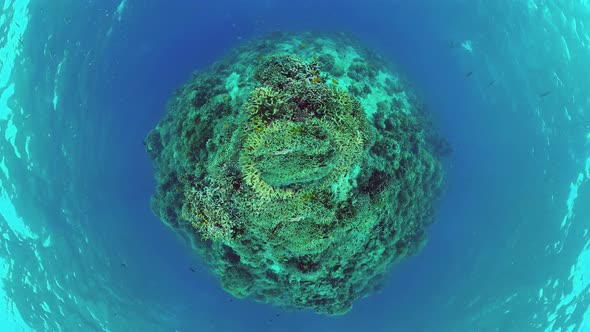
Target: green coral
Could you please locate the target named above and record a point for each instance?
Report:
(237, 281)
(297, 191)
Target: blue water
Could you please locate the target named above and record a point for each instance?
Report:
(82, 82)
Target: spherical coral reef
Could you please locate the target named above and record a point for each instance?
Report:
(300, 167)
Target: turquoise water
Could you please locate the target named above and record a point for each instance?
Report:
(82, 82)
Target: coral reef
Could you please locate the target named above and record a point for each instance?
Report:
(300, 167)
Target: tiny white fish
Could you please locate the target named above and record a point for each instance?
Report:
(467, 46)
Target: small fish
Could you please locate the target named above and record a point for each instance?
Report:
(315, 71)
(334, 81)
(302, 46)
(260, 58)
(18, 25)
(177, 189)
(274, 229)
(225, 97)
(123, 265)
(192, 269)
(315, 58)
(545, 94)
(317, 79)
(491, 83)
(469, 74)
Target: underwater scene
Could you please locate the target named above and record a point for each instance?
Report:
(237, 166)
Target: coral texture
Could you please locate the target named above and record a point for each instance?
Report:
(300, 167)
